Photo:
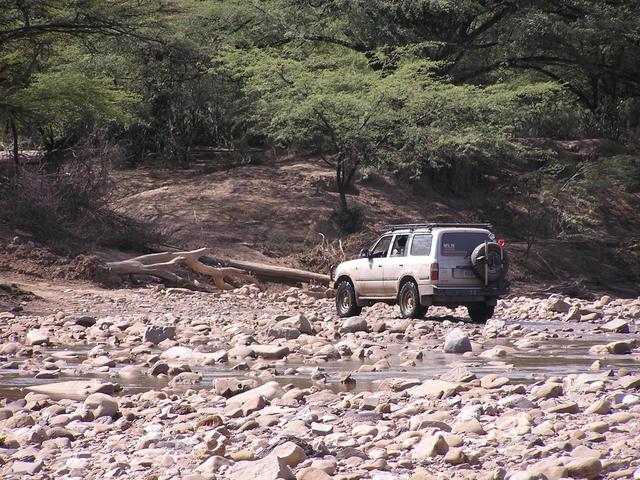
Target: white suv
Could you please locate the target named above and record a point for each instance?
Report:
(418, 265)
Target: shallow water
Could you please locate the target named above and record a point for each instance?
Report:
(568, 353)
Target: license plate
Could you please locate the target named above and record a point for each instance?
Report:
(463, 273)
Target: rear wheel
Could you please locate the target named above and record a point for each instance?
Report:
(346, 305)
(409, 301)
(480, 313)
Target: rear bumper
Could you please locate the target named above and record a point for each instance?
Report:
(470, 292)
(462, 296)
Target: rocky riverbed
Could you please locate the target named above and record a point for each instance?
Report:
(167, 383)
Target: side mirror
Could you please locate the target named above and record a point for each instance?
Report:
(364, 253)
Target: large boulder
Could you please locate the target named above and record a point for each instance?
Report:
(188, 355)
(458, 375)
(573, 315)
(290, 453)
(269, 391)
(557, 304)
(396, 384)
(186, 378)
(430, 446)
(157, 333)
(548, 390)
(75, 389)
(281, 330)
(617, 325)
(434, 389)
(585, 468)
(228, 386)
(271, 467)
(101, 405)
(131, 372)
(457, 342)
(37, 337)
(290, 325)
(621, 347)
(275, 352)
(353, 325)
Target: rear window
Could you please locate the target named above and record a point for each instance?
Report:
(462, 244)
(421, 245)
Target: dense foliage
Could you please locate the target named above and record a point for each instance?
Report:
(439, 89)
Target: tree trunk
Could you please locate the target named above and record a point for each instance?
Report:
(14, 135)
(341, 183)
(343, 200)
(166, 266)
(269, 272)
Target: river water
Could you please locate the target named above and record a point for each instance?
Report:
(566, 353)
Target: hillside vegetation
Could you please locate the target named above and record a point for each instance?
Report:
(267, 123)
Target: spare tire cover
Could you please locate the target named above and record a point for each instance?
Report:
(498, 264)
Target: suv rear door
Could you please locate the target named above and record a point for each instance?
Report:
(394, 265)
(454, 257)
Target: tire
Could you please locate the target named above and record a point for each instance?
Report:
(498, 262)
(480, 313)
(346, 305)
(409, 301)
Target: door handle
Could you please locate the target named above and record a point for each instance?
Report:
(379, 266)
(401, 264)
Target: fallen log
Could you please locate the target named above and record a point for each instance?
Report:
(166, 266)
(272, 271)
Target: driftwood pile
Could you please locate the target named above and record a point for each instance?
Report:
(177, 268)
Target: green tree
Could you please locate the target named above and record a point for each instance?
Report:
(332, 103)
(39, 80)
(591, 48)
(329, 103)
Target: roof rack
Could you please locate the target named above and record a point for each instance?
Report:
(429, 226)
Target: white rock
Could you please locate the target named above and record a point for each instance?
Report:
(457, 342)
(558, 305)
(275, 352)
(37, 337)
(269, 391)
(101, 405)
(75, 389)
(354, 324)
(269, 468)
(434, 389)
(187, 355)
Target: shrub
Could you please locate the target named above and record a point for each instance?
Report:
(623, 168)
(348, 219)
(70, 210)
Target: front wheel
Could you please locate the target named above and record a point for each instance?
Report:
(409, 301)
(346, 305)
(480, 313)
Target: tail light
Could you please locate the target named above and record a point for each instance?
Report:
(435, 271)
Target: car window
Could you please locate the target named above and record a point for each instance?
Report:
(399, 248)
(381, 248)
(421, 245)
(462, 244)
